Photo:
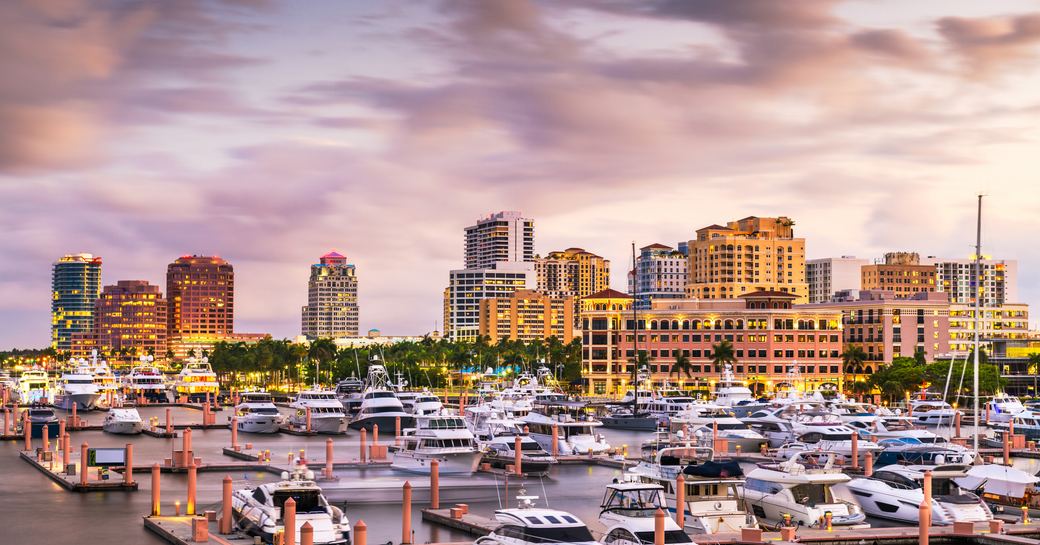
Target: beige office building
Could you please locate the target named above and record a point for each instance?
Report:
(527, 315)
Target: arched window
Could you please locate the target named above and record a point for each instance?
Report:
(686, 324)
(653, 324)
(740, 324)
(664, 324)
(675, 324)
(728, 324)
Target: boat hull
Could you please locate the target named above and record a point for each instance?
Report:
(648, 423)
(123, 428)
(449, 464)
(83, 402)
(536, 466)
(250, 527)
(264, 424)
(387, 423)
(37, 429)
(332, 425)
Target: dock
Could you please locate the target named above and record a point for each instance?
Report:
(179, 531)
(475, 525)
(72, 483)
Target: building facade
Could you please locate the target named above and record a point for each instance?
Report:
(747, 255)
(332, 299)
(501, 236)
(572, 273)
(200, 293)
(527, 315)
(130, 320)
(771, 337)
(889, 326)
(954, 277)
(467, 287)
(1009, 322)
(830, 275)
(660, 273)
(75, 286)
(901, 273)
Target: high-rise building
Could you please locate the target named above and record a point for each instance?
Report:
(527, 315)
(130, 316)
(200, 291)
(572, 273)
(660, 273)
(501, 236)
(954, 277)
(747, 255)
(1009, 321)
(332, 304)
(901, 273)
(830, 275)
(75, 285)
(467, 287)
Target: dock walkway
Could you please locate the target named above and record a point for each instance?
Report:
(72, 482)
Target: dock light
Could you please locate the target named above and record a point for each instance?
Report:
(177, 508)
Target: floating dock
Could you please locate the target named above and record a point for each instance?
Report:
(179, 531)
(73, 483)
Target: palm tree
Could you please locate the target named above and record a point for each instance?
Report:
(681, 365)
(721, 354)
(321, 351)
(853, 357)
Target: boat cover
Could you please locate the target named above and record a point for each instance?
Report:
(714, 469)
(997, 479)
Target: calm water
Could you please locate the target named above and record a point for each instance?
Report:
(37, 510)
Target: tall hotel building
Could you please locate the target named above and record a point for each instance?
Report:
(954, 277)
(747, 255)
(131, 316)
(572, 273)
(901, 273)
(828, 276)
(200, 291)
(499, 252)
(75, 286)
(660, 273)
(332, 299)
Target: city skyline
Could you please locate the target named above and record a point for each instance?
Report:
(182, 128)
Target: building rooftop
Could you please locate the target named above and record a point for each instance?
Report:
(769, 293)
(609, 294)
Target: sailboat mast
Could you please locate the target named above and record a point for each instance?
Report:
(635, 334)
(978, 310)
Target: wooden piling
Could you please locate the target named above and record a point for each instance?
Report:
(156, 483)
(680, 500)
(435, 484)
(289, 520)
(225, 506)
(659, 517)
(406, 514)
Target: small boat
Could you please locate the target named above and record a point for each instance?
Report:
(444, 438)
(627, 511)
(259, 510)
(577, 428)
(896, 492)
(500, 451)
(1002, 407)
(123, 422)
(528, 525)
(77, 387)
(42, 420)
(805, 490)
(257, 413)
(196, 380)
(326, 412)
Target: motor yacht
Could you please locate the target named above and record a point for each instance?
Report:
(528, 525)
(828, 438)
(803, 489)
(896, 492)
(326, 412)
(426, 403)
(380, 405)
(407, 400)
(911, 451)
(1002, 407)
(11, 386)
(258, 510)
(350, 391)
(146, 381)
(931, 412)
(999, 485)
(729, 391)
(444, 438)
(576, 428)
(34, 386)
(1025, 423)
(623, 418)
(627, 511)
(76, 387)
(42, 420)
(106, 382)
(196, 380)
(500, 451)
(123, 422)
(705, 421)
(257, 413)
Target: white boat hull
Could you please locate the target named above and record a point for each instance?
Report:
(83, 402)
(878, 500)
(459, 463)
(123, 428)
(260, 424)
(322, 424)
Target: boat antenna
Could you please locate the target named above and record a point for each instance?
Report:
(978, 300)
(357, 362)
(635, 335)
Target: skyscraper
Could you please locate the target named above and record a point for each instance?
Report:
(75, 286)
(131, 316)
(502, 236)
(200, 291)
(954, 276)
(332, 305)
(745, 256)
(661, 273)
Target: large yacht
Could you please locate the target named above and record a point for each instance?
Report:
(257, 413)
(259, 510)
(11, 386)
(350, 392)
(43, 420)
(528, 525)
(380, 405)
(1003, 407)
(628, 510)
(836, 438)
(146, 381)
(123, 422)
(729, 391)
(444, 438)
(34, 386)
(577, 429)
(195, 380)
(326, 411)
(106, 382)
(931, 412)
(896, 491)
(703, 421)
(76, 387)
(804, 490)
(426, 403)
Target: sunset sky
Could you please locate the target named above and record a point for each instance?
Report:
(271, 132)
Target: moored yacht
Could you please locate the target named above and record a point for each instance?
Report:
(196, 380)
(34, 386)
(257, 413)
(9, 385)
(931, 412)
(627, 511)
(500, 451)
(729, 391)
(828, 438)
(326, 412)
(426, 403)
(380, 405)
(76, 387)
(804, 490)
(896, 492)
(444, 438)
(123, 422)
(528, 525)
(259, 510)
(705, 421)
(577, 430)
(146, 381)
(1002, 407)
(42, 420)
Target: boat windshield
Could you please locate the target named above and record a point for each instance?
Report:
(812, 494)
(732, 426)
(264, 410)
(573, 534)
(670, 536)
(643, 502)
(307, 501)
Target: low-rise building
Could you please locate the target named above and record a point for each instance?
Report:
(1006, 322)
(527, 315)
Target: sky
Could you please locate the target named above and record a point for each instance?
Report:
(271, 132)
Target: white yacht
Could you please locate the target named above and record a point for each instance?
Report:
(42, 418)
(577, 429)
(426, 403)
(528, 525)
(444, 438)
(805, 491)
(350, 391)
(931, 412)
(146, 381)
(729, 391)
(828, 438)
(896, 492)
(11, 386)
(1026, 423)
(259, 510)
(106, 382)
(123, 422)
(500, 451)
(702, 421)
(911, 451)
(195, 380)
(712, 494)
(628, 510)
(76, 387)
(257, 413)
(380, 405)
(34, 386)
(1002, 407)
(326, 411)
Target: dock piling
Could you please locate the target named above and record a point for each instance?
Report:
(397, 430)
(1007, 448)
(924, 513)
(169, 422)
(66, 443)
(289, 516)
(855, 450)
(435, 484)
(328, 458)
(680, 500)
(364, 444)
(375, 435)
(193, 478)
(360, 533)
(27, 428)
(868, 464)
(309, 427)
(225, 506)
(156, 484)
(83, 464)
(957, 423)
(659, 527)
(128, 470)
(406, 514)
(517, 455)
(306, 534)
(234, 433)
(75, 418)
(555, 440)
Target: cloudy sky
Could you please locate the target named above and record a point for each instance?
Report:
(271, 132)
